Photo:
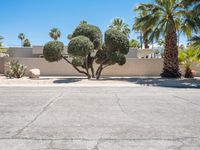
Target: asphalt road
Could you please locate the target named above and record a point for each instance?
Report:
(99, 118)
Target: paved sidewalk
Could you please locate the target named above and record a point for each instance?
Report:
(104, 82)
(99, 118)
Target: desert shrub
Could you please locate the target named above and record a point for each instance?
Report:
(90, 31)
(53, 50)
(16, 70)
(187, 58)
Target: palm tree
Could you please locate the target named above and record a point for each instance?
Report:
(21, 36)
(163, 15)
(134, 43)
(26, 43)
(195, 41)
(139, 26)
(187, 58)
(83, 22)
(120, 25)
(1, 38)
(55, 33)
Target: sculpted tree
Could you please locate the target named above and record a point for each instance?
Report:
(85, 48)
(94, 39)
(115, 48)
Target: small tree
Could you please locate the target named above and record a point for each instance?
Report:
(21, 36)
(26, 43)
(114, 50)
(93, 33)
(55, 33)
(85, 47)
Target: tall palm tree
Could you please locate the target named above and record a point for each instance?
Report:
(120, 25)
(83, 22)
(195, 41)
(55, 33)
(139, 26)
(21, 36)
(163, 15)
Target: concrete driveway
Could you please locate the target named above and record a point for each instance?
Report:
(99, 118)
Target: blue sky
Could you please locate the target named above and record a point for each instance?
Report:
(35, 18)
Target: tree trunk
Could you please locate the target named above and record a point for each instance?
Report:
(188, 73)
(146, 41)
(86, 67)
(171, 65)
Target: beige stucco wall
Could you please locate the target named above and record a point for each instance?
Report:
(133, 67)
(20, 52)
(37, 51)
(1, 65)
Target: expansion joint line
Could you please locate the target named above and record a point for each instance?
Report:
(118, 103)
(45, 108)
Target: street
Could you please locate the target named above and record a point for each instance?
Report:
(99, 118)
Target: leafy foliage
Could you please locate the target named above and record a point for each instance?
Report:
(55, 33)
(26, 43)
(134, 43)
(166, 18)
(187, 58)
(80, 46)
(85, 47)
(90, 31)
(195, 41)
(21, 36)
(1, 38)
(114, 51)
(16, 70)
(120, 25)
(52, 51)
(116, 41)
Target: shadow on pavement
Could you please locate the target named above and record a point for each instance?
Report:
(67, 80)
(161, 82)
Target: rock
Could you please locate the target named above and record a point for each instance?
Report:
(4, 55)
(34, 73)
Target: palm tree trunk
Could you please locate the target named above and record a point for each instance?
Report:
(146, 42)
(171, 65)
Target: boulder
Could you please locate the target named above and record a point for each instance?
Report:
(34, 73)
(4, 55)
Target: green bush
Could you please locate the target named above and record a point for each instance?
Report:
(113, 51)
(53, 50)
(90, 31)
(116, 41)
(26, 43)
(80, 46)
(16, 70)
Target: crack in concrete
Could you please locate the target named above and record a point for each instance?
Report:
(45, 108)
(186, 100)
(118, 103)
(96, 146)
(102, 139)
